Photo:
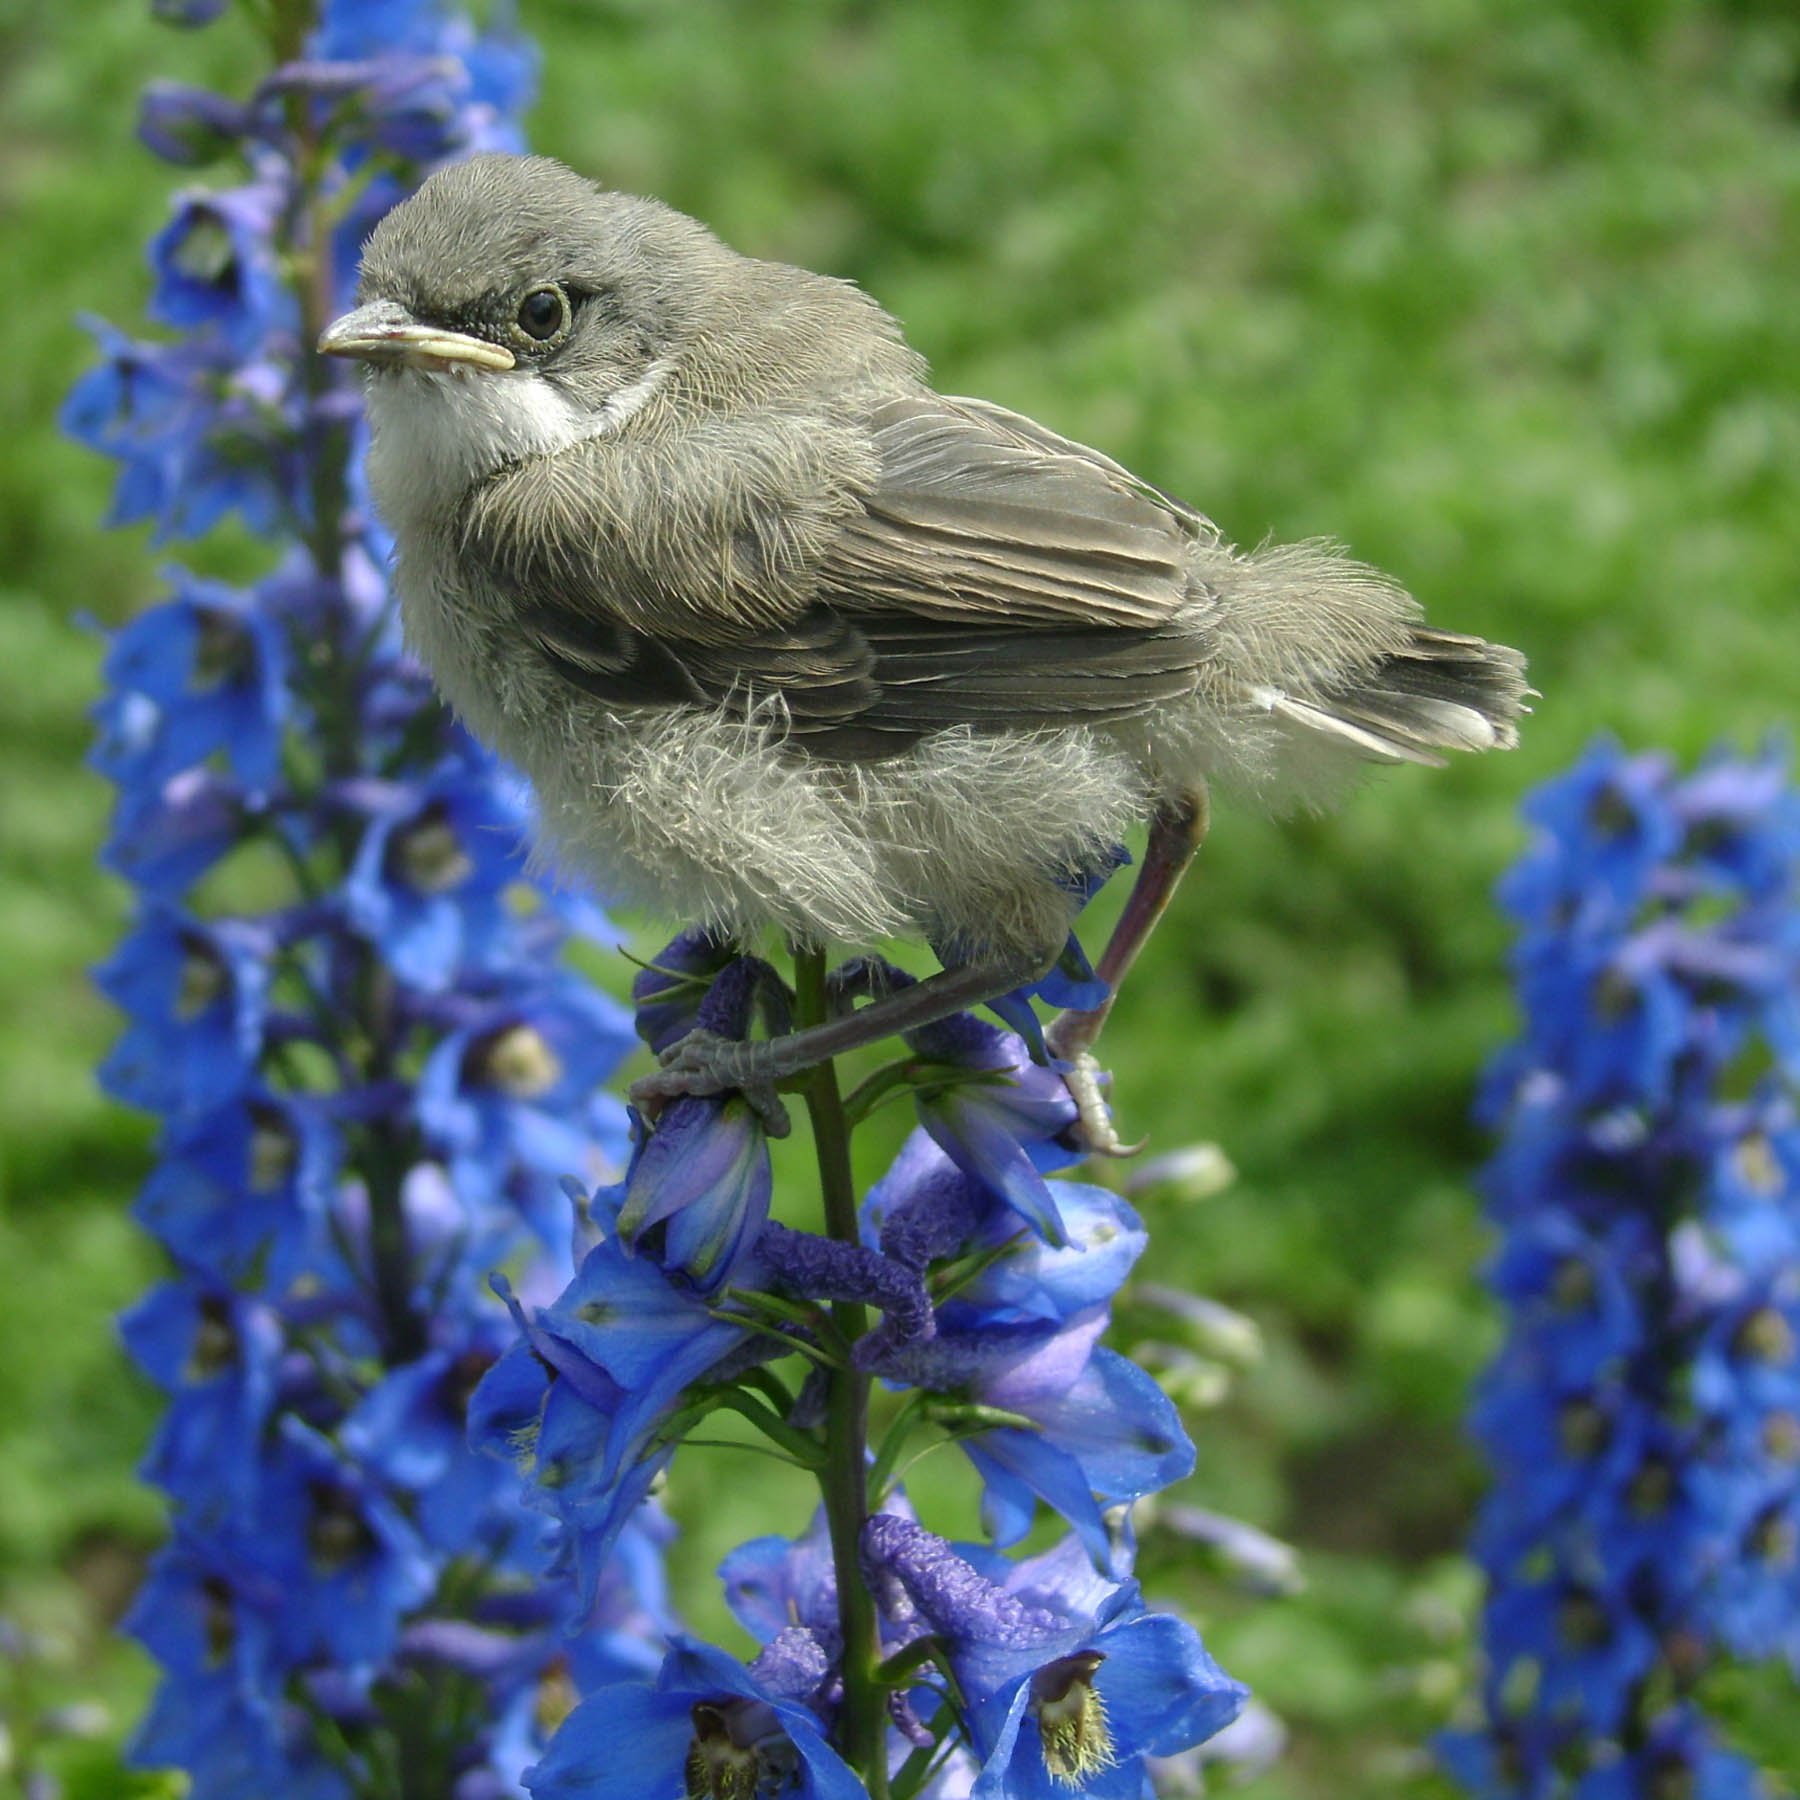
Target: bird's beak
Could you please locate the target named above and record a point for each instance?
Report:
(385, 332)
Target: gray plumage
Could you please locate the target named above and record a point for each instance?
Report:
(783, 637)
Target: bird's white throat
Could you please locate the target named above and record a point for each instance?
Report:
(437, 432)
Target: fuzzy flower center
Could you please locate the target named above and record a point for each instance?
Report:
(738, 1752)
(431, 857)
(1071, 1718)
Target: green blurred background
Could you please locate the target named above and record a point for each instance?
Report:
(1502, 292)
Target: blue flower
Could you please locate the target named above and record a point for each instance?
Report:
(1741, 825)
(1072, 1681)
(1612, 1015)
(510, 1098)
(706, 1728)
(241, 1191)
(430, 879)
(925, 1209)
(217, 1355)
(703, 1175)
(576, 1404)
(215, 265)
(165, 839)
(772, 1583)
(202, 673)
(1643, 1418)
(705, 1172)
(1681, 1755)
(1605, 827)
(330, 1553)
(1097, 1431)
(197, 434)
(1573, 1290)
(411, 1429)
(195, 999)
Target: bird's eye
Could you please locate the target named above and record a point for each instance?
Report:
(543, 313)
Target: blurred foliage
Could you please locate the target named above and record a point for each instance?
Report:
(1498, 291)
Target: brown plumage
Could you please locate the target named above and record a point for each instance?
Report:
(787, 639)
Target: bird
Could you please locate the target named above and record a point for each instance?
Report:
(788, 642)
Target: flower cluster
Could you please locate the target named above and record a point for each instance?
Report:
(1643, 1418)
(886, 1650)
(349, 1012)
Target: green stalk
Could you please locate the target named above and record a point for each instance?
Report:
(863, 1721)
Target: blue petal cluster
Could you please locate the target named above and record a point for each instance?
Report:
(992, 1285)
(1643, 1418)
(344, 1003)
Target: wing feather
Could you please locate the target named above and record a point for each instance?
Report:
(987, 573)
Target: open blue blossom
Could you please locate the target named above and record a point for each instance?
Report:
(241, 1192)
(925, 1209)
(195, 997)
(429, 884)
(218, 1357)
(705, 1728)
(166, 839)
(197, 435)
(336, 1549)
(511, 1095)
(772, 1583)
(1095, 1430)
(412, 1430)
(577, 1402)
(205, 672)
(1072, 1680)
(214, 263)
(223, 1714)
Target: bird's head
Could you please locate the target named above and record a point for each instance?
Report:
(568, 307)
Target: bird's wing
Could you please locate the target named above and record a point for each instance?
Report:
(987, 573)
(982, 518)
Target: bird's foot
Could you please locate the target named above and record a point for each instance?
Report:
(704, 1063)
(1094, 1125)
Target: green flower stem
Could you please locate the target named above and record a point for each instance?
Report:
(887, 1456)
(863, 1721)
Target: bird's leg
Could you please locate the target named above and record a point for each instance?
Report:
(703, 1062)
(1176, 833)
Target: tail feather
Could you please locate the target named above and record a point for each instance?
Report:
(1445, 691)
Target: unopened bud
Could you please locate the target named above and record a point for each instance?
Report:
(1194, 1382)
(1192, 1173)
(1211, 1328)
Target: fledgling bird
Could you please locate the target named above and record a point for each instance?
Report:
(786, 639)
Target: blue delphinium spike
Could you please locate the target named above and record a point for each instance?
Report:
(371, 1092)
(1641, 1418)
(1070, 1678)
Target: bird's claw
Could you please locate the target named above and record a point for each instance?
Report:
(1093, 1123)
(704, 1062)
